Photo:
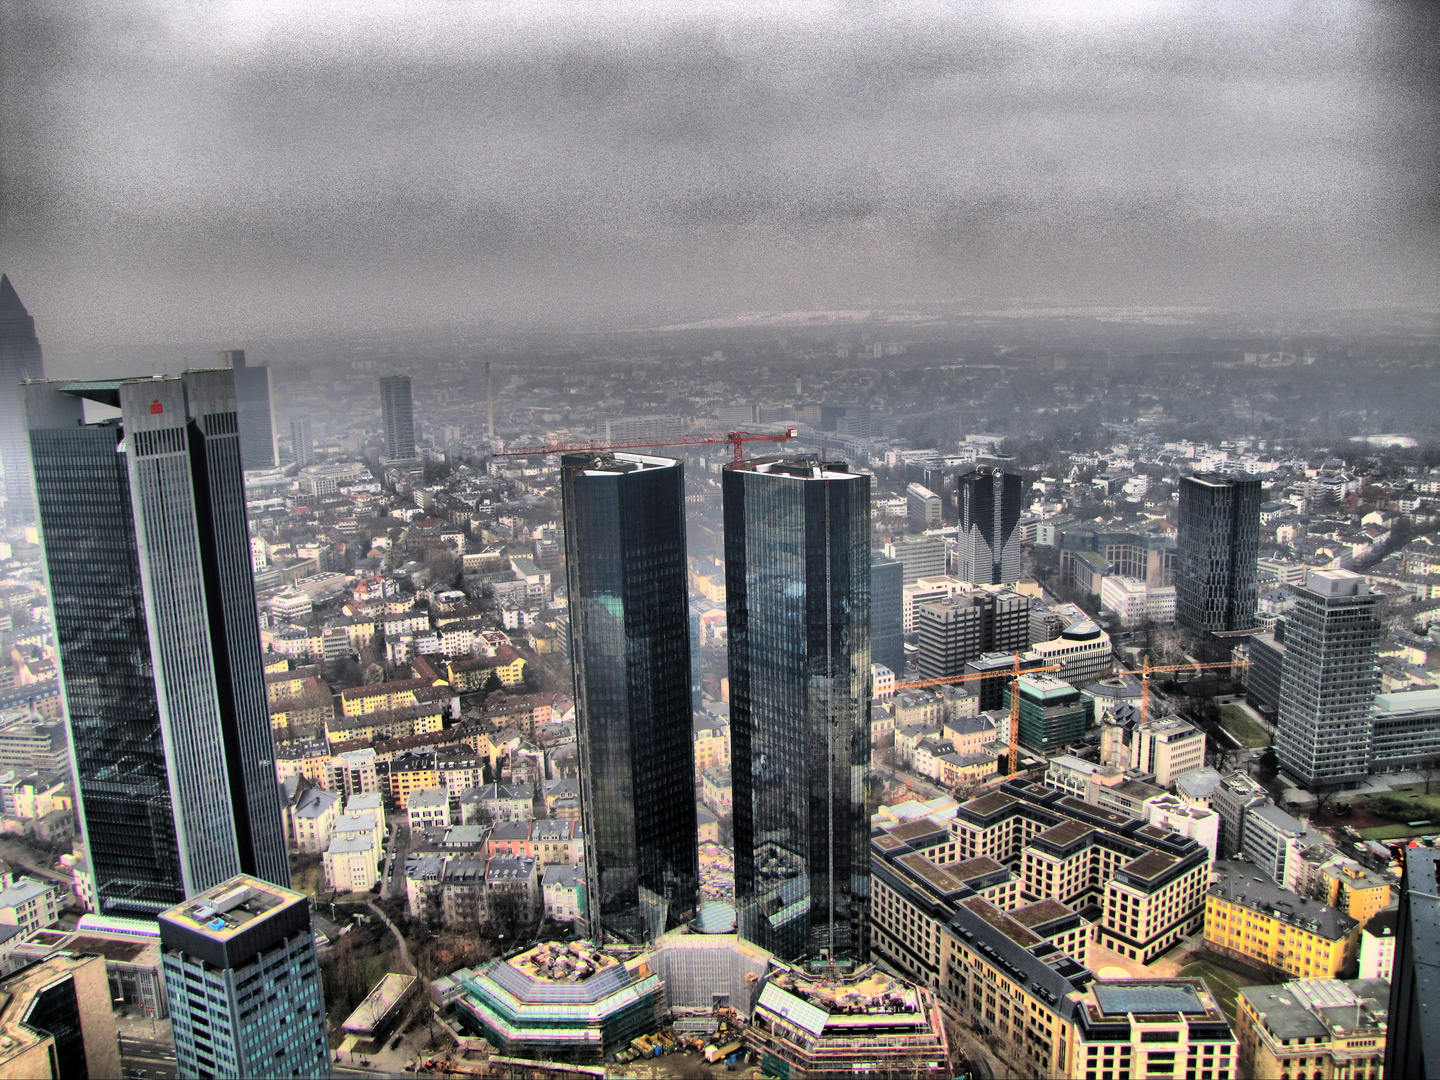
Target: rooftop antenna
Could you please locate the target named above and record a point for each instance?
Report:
(489, 404)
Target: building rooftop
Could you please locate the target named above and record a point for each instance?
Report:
(1321, 1008)
(1245, 884)
(226, 910)
(558, 961)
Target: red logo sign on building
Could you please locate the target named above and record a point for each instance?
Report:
(156, 407)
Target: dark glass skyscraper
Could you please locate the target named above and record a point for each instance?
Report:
(988, 506)
(630, 643)
(253, 412)
(887, 613)
(797, 582)
(19, 360)
(397, 411)
(1412, 1039)
(1328, 677)
(1219, 542)
(147, 554)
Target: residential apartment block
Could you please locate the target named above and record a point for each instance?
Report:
(1249, 917)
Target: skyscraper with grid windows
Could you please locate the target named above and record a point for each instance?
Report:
(141, 509)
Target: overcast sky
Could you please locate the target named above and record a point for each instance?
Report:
(236, 170)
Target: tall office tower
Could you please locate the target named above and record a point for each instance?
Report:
(398, 413)
(630, 643)
(147, 555)
(243, 983)
(1219, 542)
(1328, 679)
(797, 583)
(19, 360)
(958, 629)
(252, 408)
(302, 441)
(923, 508)
(56, 1019)
(988, 505)
(1412, 1041)
(887, 613)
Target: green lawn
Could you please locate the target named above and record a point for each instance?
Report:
(1224, 983)
(1397, 832)
(1237, 722)
(1416, 793)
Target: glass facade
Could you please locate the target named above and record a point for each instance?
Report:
(630, 644)
(797, 579)
(1218, 540)
(19, 360)
(147, 556)
(988, 506)
(252, 410)
(887, 614)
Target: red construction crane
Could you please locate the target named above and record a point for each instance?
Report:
(733, 437)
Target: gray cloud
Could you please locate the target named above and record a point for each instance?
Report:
(178, 169)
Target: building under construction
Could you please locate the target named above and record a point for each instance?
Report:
(865, 1022)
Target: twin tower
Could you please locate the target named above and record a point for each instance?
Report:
(797, 579)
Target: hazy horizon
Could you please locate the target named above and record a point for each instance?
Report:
(232, 173)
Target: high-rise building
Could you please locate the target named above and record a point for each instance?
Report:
(920, 557)
(630, 643)
(1412, 1043)
(56, 1020)
(1053, 714)
(1328, 679)
(988, 506)
(1218, 538)
(252, 408)
(19, 360)
(923, 508)
(147, 555)
(797, 582)
(887, 613)
(302, 440)
(397, 411)
(957, 629)
(243, 983)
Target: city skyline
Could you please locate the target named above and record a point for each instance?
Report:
(633, 167)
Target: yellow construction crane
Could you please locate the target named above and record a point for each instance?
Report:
(1014, 673)
(1146, 671)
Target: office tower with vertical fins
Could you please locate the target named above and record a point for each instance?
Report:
(252, 408)
(630, 644)
(988, 505)
(797, 581)
(138, 488)
(19, 360)
(1328, 678)
(1218, 538)
(397, 411)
